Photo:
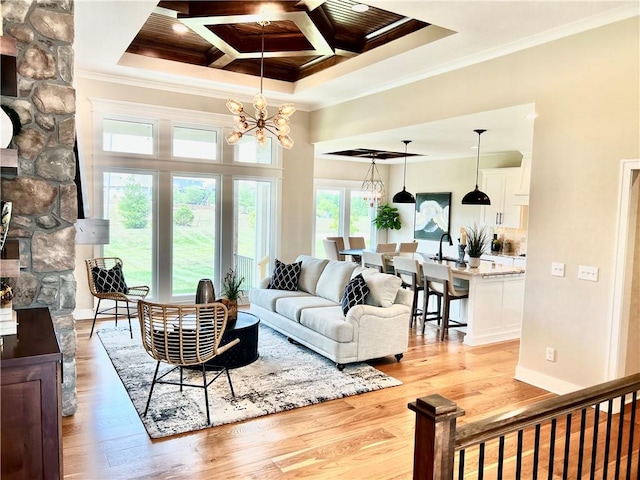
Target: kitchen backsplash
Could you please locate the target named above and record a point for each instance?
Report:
(517, 236)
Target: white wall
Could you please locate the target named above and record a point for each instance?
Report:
(586, 94)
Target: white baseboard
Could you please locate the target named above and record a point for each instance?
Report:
(545, 382)
(83, 314)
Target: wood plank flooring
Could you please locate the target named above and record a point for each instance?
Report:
(368, 436)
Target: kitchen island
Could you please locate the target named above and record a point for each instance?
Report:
(493, 311)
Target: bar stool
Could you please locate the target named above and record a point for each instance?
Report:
(439, 282)
(374, 260)
(410, 272)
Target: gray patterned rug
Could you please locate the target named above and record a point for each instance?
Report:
(284, 377)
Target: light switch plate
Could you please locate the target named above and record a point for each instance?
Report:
(587, 272)
(557, 269)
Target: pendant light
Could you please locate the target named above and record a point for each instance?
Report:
(476, 197)
(404, 196)
(372, 187)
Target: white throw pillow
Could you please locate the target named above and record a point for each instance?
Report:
(383, 287)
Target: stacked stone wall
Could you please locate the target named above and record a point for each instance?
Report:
(43, 192)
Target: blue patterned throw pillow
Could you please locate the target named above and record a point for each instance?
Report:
(109, 281)
(285, 277)
(355, 293)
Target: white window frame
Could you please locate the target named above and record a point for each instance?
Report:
(199, 126)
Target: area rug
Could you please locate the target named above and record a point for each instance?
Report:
(284, 377)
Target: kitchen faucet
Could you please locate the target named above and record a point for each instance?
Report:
(445, 234)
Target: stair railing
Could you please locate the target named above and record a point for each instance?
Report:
(538, 441)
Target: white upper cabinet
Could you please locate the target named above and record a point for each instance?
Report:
(501, 185)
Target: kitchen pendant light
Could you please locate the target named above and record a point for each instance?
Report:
(477, 197)
(404, 196)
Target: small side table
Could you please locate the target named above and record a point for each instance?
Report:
(246, 352)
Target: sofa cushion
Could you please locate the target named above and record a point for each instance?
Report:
(383, 287)
(266, 298)
(328, 321)
(334, 278)
(285, 276)
(354, 293)
(291, 307)
(311, 270)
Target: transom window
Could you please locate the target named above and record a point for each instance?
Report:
(127, 136)
(189, 142)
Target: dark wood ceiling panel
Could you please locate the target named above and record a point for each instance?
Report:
(297, 42)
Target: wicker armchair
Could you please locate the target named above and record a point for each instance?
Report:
(104, 275)
(183, 336)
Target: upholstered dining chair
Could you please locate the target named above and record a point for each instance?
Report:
(340, 244)
(439, 281)
(331, 249)
(357, 243)
(106, 282)
(185, 336)
(375, 260)
(386, 247)
(410, 272)
(408, 247)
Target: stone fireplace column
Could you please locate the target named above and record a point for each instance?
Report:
(43, 192)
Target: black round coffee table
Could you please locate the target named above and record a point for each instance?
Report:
(245, 352)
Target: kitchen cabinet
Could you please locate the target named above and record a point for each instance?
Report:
(499, 259)
(31, 415)
(501, 185)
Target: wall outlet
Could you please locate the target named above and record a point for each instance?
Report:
(557, 269)
(587, 272)
(550, 354)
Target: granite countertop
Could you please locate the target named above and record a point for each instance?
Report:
(486, 269)
(503, 254)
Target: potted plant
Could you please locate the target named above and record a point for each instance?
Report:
(232, 292)
(388, 217)
(477, 240)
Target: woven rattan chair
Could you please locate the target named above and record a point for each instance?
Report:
(103, 275)
(185, 336)
(408, 247)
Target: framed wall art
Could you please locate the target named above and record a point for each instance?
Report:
(433, 215)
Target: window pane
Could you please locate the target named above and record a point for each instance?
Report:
(252, 206)
(195, 143)
(194, 220)
(250, 152)
(127, 203)
(129, 137)
(327, 217)
(359, 223)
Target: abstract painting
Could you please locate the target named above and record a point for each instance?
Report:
(433, 215)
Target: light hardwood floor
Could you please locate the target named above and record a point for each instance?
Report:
(367, 436)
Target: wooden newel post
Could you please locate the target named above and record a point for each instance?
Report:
(434, 437)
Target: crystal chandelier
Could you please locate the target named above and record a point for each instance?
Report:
(277, 125)
(372, 186)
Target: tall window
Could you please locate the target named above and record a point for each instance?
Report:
(183, 204)
(127, 203)
(252, 243)
(194, 232)
(340, 211)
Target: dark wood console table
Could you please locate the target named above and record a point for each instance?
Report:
(31, 418)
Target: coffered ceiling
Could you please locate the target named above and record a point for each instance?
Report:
(317, 53)
(300, 37)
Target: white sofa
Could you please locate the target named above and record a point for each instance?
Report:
(312, 315)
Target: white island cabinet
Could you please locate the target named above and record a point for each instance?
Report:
(493, 311)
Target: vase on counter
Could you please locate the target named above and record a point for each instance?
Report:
(474, 262)
(496, 244)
